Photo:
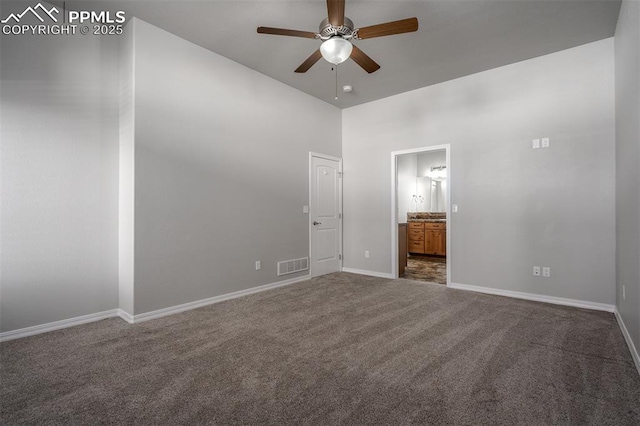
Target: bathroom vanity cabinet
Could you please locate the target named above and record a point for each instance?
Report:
(428, 238)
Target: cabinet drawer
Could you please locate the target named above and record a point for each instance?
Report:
(416, 234)
(416, 225)
(416, 246)
(435, 225)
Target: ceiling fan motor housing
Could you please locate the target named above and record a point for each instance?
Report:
(327, 30)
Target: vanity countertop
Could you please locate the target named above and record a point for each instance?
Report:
(429, 217)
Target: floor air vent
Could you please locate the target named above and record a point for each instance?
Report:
(290, 266)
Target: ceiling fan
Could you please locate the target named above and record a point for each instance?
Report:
(336, 32)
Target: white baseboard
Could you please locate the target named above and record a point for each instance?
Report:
(536, 297)
(125, 316)
(57, 325)
(627, 337)
(365, 272)
(217, 299)
(131, 319)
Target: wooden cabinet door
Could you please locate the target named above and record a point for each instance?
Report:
(430, 241)
(440, 243)
(435, 242)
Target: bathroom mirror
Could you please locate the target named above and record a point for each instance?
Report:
(433, 192)
(421, 183)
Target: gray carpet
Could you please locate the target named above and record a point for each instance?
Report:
(339, 349)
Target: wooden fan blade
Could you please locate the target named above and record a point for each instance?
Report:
(389, 28)
(315, 57)
(335, 10)
(361, 58)
(284, 32)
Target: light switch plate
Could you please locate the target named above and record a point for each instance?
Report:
(305, 209)
(536, 143)
(454, 208)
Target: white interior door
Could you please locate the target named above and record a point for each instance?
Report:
(325, 215)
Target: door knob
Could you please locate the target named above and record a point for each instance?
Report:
(317, 223)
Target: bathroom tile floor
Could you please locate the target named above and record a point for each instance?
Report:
(426, 268)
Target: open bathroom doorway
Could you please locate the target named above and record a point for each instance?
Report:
(420, 214)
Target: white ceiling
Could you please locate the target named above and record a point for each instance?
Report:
(455, 37)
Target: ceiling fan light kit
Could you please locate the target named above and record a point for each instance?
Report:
(336, 50)
(337, 31)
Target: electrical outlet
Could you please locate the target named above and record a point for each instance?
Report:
(536, 271)
(305, 209)
(624, 293)
(546, 272)
(366, 254)
(545, 142)
(258, 265)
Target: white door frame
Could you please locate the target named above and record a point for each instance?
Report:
(394, 205)
(339, 160)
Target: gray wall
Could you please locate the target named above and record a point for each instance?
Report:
(221, 171)
(59, 165)
(221, 174)
(627, 59)
(518, 207)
